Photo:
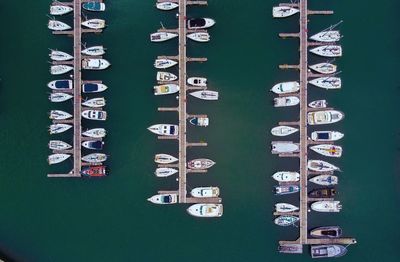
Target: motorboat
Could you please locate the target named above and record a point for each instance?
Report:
(327, 82)
(322, 193)
(206, 210)
(95, 158)
(318, 103)
(94, 6)
(326, 206)
(283, 130)
(94, 23)
(60, 84)
(95, 133)
(321, 166)
(59, 115)
(94, 115)
(328, 150)
(285, 207)
(165, 171)
(59, 128)
(94, 171)
(285, 221)
(283, 11)
(60, 9)
(286, 101)
(162, 36)
(60, 69)
(323, 136)
(165, 76)
(166, 89)
(200, 23)
(286, 176)
(164, 63)
(328, 36)
(286, 87)
(57, 158)
(59, 97)
(205, 94)
(199, 121)
(199, 36)
(164, 199)
(94, 145)
(326, 232)
(286, 189)
(282, 147)
(324, 117)
(200, 163)
(197, 81)
(203, 192)
(60, 56)
(97, 50)
(57, 25)
(164, 159)
(59, 145)
(95, 102)
(326, 251)
(93, 87)
(325, 180)
(95, 63)
(291, 248)
(324, 68)
(327, 51)
(164, 129)
(166, 6)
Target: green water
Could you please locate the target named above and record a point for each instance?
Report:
(109, 219)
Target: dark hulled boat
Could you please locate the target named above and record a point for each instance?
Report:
(322, 193)
(326, 232)
(94, 171)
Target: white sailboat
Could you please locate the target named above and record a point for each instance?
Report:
(164, 63)
(94, 23)
(59, 97)
(57, 158)
(327, 82)
(326, 206)
(165, 172)
(283, 130)
(60, 56)
(97, 50)
(327, 50)
(324, 68)
(60, 9)
(325, 180)
(57, 25)
(59, 128)
(164, 159)
(283, 11)
(327, 36)
(285, 207)
(95, 133)
(59, 115)
(205, 94)
(60, 69)
(286, 87)
(166, 6)
(162, 36)
(321, 166)
(284, 147)
(95, 102)
(199, 36)
(95, 158)
(328, 150)
(59, 145)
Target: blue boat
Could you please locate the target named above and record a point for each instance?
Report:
(93, 88)
(94, 6)
(95, 145)
(60, 84)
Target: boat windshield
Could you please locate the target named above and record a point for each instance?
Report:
(166, 199)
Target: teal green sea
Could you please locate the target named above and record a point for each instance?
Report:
(109, 219)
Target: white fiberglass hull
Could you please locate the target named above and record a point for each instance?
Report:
(95, 133)
(286, 101)
(283, 130)
(164, 159)
(328, 82)
(59, 128)
(95, 102)
(283, 11)
(324, 117)
(286, 87)
(197, 81)
(58, 145)
(206, 210)
(95, 158)
(57, 25)
(166, 89)
(285, 207)
(60, 56)
(325, 180)
(60, 9)
(94, 51)
(203, 192)
(328, 150)
(321, 166)
(327, 51)
(164, 199)
(323, 136)
(327, 36)
(205, 95)
(199, 37)
(95, 64)
(164, 63)
(324, 68)
(60, 69)
(59, 115)
(326, 206)
(286, 176)
(59, 97)
(164, 129)
(94, 23)
(162, 36)
(166, 6)
(57, 158)
(165, 172)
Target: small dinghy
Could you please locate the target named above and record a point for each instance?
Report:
(60, 9)
(322, 193)
(327, 82)
(57, 158)
(166, 89)
(94, 145)
(58, 145)
(284, 147)
(164, 199)
(94, 171)
(286, 176)
(206, 210)
(164, 129)
(201, 163)
(59, 128)
(97, 50)
(93, 88)
(285, 207)
(327, 36)
(205, 192)
(285, 101)
(95, 133)
(95, 115)
(199, 121)
(197, 81)
(286, 87)
(291, 248)
(286, 189)
(164, 63)
(326, 251)
(283, 130)
(322, 136)
(321, 166)
(165, 172)
(94, 6)
(283, 11)
(60, 56)
(205, 94)
(327, 51)
(318, 104)
(166, 6)
(327, 206)
(199, 37)
(94, 23)
(324, 68)
(165, 76)
(59, 115)
(95, 102)
(60, 84)
(326, 232)
(328, 150)
(325, 180)
(200, 23)
(324, 117)
(95, 64)
(57, 25)
(285, 221)
(162, 36)
(164, 159)
(59, 97)
(60, 69)
(95, 158)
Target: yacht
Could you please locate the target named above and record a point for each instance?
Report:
(162, 36)
(59, 97)
(60, 9)
(324, 117)
(94, 6)
(284, 147)
(326, 251)
(283, 11)
(165, 76)
(97, 50)
(94, 171)
(326, 36)
(94, 145)
(328, 150)
(205, 94)
(197, 81)
(164, 129)
(318, 104)
(323, 136)
(93, 87)
(57, 158)
(164, 199)
(166, 89)
(199, 36)
(286, 87)
(95, 158)
(285, 221)
(283, 130)
(200, 163)
(285, 208)
(324, 68)
(326, 232)
(60, 84)
(164, 159)
(322, 193)
(326, 206)
(58, 145)
(199, 121)
(327, 82)
(94, 115)
(286, 189)
(57, 25)
(286, 176)
(205, 210)
(327, 51)
(164, 63)
(59, 128)
(166, 6)
(60, 69)
(291, 248)
(95, 133)
(95, 102)
(95, 63)
(325, 180)
(59, 115)
(60, 56)
(202, 192)
(200, 23)
(285, 101)
(321, 166)
(94, 23)
(165, 171)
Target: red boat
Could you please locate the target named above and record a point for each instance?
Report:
(94, 171)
